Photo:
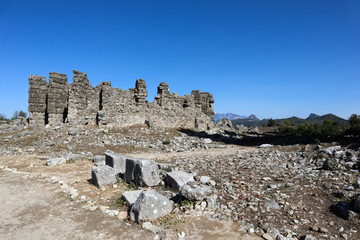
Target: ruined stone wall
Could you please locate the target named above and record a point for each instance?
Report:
(37, 100)
(83, 100)
(80, 103)
(57, 98)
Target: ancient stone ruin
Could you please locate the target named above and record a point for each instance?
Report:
(57, 102)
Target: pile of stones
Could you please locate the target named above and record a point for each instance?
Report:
(148, 204)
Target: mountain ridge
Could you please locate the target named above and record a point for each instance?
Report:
(312, 119)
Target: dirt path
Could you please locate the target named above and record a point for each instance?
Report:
(31, 209)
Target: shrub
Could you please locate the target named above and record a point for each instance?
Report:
(3, 117)
(22, 114)
(271, 122)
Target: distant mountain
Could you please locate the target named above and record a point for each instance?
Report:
(253, 117)
(313, 118)
(230, 116)
(331, 117)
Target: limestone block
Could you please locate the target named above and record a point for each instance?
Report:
(142, 171)
(55, 161)
(103, 175)
(130, 196)
(116, 160)
(178, 179)
(150, 205)
(197, 193)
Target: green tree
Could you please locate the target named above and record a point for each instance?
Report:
(22, 114)
(354, 120)
(2, 116)
(15, 115)
(287, 122)
(271, 122)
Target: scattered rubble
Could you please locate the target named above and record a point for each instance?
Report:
(298, 190)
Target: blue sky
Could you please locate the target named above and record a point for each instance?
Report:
(271, 58)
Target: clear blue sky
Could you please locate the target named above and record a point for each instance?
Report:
(271, 58)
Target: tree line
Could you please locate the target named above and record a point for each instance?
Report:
(16, 115)
(326, 128)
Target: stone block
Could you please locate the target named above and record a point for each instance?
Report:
(196, 193)
(150, 205)
(178, 179)
(55, 161)
(130, 196)
(116, 161)
(142, 172)
(103, 175)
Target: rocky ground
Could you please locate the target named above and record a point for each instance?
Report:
(269, 192)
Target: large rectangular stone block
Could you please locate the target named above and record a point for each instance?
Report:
(178, 179)
(116, 161)
(103, 175)
(142, 172)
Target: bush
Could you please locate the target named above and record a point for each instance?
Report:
(22, 114)
(3, 117)
(354, 121)
(15, 115)
(271, 122)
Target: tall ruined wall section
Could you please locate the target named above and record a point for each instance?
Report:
(80, 103)
(57, 96)
(83, 100)
(37, 100)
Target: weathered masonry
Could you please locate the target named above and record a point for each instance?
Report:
(57, 102)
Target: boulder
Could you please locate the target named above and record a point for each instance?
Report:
(196, 193)
(55, 161)
(178, 179)
(330, 150)
(331, 164)
(116, 161)
(357, 204)
(103, 175)
(130, 196)
(150, 205)
(142, 171)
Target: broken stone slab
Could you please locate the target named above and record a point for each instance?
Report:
(271, 204)
(150, 205)
(55, 161)
(178, 179)
(266, 145)
(211, 201)
(99, 160)
(130, 196)
(103, 175)
(205, 179)
(196, 193)
(167, 167)
(148, 226)
(143, 172)
(116, 160)
(72, 157)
